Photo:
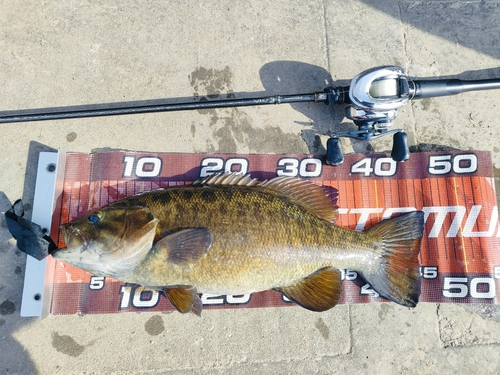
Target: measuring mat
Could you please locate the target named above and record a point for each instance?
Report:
(459, 258)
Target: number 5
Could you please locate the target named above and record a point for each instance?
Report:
(455, 287)
(440, 164)
(96, 282)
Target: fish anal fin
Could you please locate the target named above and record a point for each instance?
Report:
(397, 276)
(186, 246)
(319, 291)
(315, 198)
(184, 299)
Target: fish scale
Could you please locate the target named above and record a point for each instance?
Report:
(248, 212)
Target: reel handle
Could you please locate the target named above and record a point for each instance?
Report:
(334, 154)
(400, 151)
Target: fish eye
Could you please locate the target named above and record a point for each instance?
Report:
(95, 217)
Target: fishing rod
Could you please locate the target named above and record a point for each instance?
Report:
(373, 97)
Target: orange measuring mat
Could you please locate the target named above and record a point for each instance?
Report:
(459, 258)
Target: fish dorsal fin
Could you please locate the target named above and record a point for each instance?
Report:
(317, 292)
(308, 195)
(228, 179)
(184, 299)
(186, 246)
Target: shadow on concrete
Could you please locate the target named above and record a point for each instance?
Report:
(13, 357)
(294, 77)
(471, 24)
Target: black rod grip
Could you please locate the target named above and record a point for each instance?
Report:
(445, 87)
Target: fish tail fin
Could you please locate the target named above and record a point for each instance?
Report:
(397, 275)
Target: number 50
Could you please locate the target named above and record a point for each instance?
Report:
(459, 287)
(444, 164)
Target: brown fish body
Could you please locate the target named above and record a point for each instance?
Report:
(233, 235)
(261, 240)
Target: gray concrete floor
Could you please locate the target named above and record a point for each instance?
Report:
(82, 52)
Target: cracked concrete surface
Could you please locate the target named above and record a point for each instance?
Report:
(79, 52)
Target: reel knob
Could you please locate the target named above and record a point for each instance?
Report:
(400, 151)
(334, 154)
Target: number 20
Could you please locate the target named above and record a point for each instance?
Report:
(210, 166)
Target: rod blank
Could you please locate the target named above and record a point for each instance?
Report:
(71, 113)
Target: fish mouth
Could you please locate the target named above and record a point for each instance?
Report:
(74, 237)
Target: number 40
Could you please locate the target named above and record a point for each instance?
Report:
(383, 167)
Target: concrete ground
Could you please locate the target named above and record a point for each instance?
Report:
(60, 53)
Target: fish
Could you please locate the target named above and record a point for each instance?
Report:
(232, 234)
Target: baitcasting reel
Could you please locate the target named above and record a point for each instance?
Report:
(374, 98)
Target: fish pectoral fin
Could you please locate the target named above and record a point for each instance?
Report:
(186, 246)
(185, 299)
(319, 291)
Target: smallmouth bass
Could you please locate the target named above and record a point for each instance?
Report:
(231, 234)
